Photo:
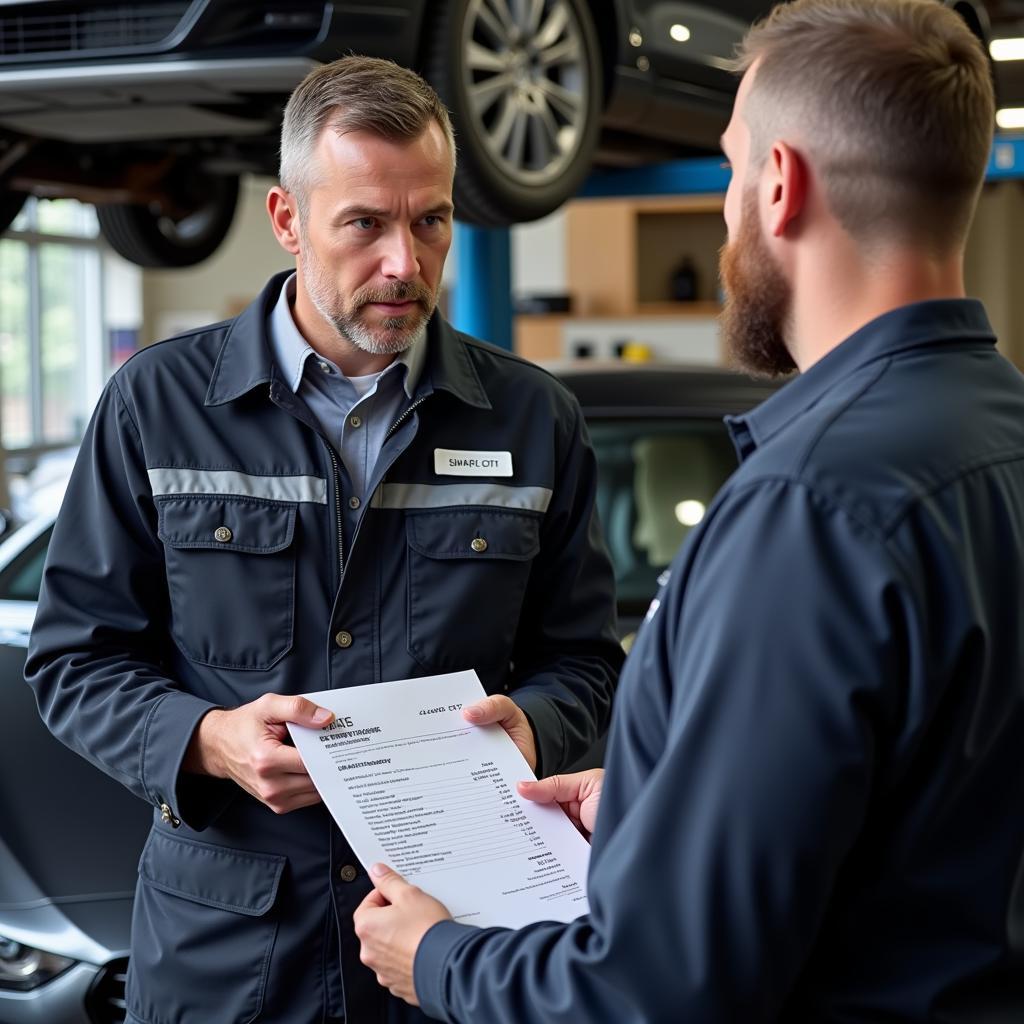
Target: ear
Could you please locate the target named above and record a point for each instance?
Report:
(786, 182)
(283, 209)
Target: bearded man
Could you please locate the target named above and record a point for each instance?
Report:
(335, 488)
(811, 805)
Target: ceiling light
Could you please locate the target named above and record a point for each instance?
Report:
(1010, 117)
(1007, 49)
(690, 513)
(680, 33)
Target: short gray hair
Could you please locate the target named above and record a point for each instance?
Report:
(350, 95)
(894, 103)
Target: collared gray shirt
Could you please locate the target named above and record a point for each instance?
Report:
(354, 413)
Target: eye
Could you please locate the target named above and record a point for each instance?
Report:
(365, 223)
(433, 220)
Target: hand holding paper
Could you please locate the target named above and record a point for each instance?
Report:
(414, 786)
(506, 713)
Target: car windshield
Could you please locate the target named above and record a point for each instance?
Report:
(655, 482)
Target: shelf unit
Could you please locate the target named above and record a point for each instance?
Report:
(620, 258)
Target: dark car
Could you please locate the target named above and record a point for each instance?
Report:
(662, 452)
(70, 837)
(153, 109)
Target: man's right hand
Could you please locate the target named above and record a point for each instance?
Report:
(247, 744)
(578, 794)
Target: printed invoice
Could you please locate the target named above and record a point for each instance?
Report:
(413, 785)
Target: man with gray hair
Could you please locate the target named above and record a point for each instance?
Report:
(335, 488)
(812, 803)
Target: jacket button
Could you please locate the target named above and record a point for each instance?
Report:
(479, 545)
(355, 421)
(223, 534)
(348, 873)
(354, 502)
(343, 639)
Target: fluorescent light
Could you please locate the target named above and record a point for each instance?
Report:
(1007, 49)
(690, 513)
(680, 33)
(1010, 117)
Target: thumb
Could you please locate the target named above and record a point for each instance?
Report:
(301, 711)
(490, 709)
(388, 882)
(540, 792)
(562, 788)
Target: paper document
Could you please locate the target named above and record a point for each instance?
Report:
(413, 785)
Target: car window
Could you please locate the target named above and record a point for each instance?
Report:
(655, 482)
(22, 577)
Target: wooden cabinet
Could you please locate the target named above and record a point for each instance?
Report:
(621, 255)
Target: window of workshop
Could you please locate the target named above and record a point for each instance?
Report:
(64, 324)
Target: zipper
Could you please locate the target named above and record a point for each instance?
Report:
(337, 480)
(405, 415)
(337, 511)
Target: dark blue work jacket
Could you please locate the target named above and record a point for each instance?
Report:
(198, 562)
(814, 802)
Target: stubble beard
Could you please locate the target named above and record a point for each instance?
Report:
(393, 335)
(759, 300)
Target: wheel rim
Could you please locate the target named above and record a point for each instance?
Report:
(527, 84)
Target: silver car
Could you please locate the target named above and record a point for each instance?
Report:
(69, 839)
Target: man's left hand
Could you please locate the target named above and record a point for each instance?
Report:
(390, 923)
(506, 713)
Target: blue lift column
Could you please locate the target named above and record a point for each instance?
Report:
(482, 297)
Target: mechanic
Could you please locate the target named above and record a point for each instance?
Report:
(265, 508)
(811, 810)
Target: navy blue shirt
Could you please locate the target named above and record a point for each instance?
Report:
(814, 800)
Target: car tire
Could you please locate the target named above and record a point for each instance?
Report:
(526, 103)
(143, 234)
(10, 206)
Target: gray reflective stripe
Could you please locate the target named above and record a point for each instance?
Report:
(533, 499)
(222, 481)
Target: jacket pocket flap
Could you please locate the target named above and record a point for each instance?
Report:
(474, 533)
(214, 876)
(226, 523)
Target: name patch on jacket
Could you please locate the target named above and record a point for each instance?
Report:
(451, 462)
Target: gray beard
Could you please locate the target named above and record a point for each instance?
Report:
(402, 332)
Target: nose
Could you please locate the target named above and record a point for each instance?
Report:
(400, 261)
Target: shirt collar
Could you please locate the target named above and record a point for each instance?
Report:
(291, 350)
(245, 359)
(928, 324)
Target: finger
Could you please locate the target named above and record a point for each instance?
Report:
(542, 792)
(492, 709)
(297, 710)
(282, 799)
(372, 901)
(562, 789)
(282, 761)
(388, 882)
(298, 801)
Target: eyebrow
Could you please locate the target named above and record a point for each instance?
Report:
(355, 212)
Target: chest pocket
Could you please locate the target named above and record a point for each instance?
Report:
(468, 570)
(231, 578)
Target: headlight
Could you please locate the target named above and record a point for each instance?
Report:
(24, 967)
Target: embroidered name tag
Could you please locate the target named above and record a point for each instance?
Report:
(451, 462)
